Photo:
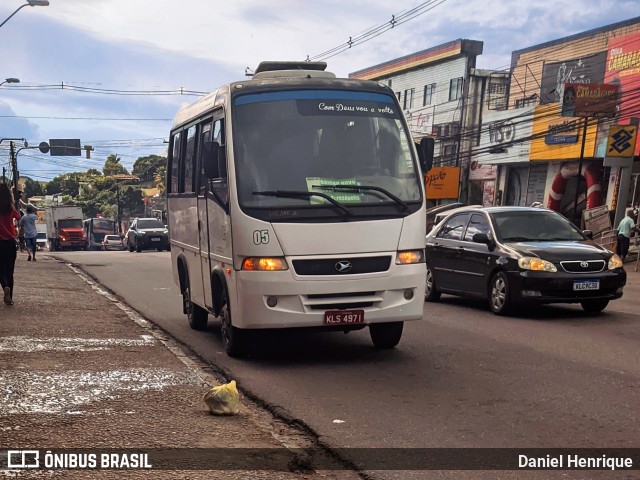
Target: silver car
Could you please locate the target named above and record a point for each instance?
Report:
(112, 242)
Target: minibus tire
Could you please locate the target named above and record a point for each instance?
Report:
(196, 315)
(386, 335)
(234, 339)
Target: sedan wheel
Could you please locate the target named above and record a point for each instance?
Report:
(499, 300)
(431, 294)
(594, 306)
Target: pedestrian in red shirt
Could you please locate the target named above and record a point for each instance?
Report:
(9, 216)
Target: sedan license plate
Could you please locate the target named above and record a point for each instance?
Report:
(581, 285)
(155, 239)
(339, 317)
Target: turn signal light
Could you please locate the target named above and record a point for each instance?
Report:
(408, 257)
(264, 264)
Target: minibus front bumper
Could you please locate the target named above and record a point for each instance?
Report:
(278, 300)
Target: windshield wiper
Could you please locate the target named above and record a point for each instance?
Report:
(303, 194)
(363, 188)
(520, 239)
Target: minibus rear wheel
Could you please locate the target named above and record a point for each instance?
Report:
(386, 335)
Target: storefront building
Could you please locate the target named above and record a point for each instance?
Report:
(573, 148)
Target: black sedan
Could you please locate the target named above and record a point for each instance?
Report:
(518, 255)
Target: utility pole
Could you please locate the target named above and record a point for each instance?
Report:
(118, 208)
(14, 172)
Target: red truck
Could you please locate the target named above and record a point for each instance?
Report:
(64, 228)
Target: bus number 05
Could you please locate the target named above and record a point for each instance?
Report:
(260, 237)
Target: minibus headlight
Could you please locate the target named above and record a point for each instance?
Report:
(264, 264)
(536, 264)
(408, 257)
(615, 262)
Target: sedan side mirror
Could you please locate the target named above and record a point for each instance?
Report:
(484, 238)
(588, 234)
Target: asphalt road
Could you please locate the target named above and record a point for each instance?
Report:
(461, 377)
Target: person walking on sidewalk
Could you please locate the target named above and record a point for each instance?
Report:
(626, 226)
(9, 216)
(28, 224)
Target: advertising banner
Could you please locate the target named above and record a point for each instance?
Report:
(591, 99)
(623, 68)
(589, 69)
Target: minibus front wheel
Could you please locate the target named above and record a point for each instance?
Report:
(386, 335)
(196, 315)
(234, 339)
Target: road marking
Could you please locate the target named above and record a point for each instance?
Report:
(62, 392)
(30, 344)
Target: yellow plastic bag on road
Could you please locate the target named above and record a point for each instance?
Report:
(223, 399)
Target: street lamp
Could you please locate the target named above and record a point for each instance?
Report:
(10, 80)
(30, 3)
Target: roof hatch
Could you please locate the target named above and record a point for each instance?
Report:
(271, 69)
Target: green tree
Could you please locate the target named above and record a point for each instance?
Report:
(159, 179)
(66, 184)
(112, 166)
(146, 167)
(131, 200)
(32, 188)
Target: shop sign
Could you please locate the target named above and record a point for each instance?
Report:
(561, 133)
(480, 171)
(622, 140)
(442, 182)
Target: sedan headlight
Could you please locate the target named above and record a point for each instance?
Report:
(615, 262)
(536, 264)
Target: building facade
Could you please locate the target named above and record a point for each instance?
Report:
(432, 87)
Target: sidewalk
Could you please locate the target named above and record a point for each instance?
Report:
(79, 370)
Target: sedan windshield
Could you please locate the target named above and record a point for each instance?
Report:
(527, 226)
(150, 224)
(350, 147)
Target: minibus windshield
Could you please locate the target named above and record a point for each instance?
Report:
(350, 146)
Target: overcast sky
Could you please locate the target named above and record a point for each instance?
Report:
(101, 48)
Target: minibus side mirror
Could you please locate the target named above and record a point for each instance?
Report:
(425, 153)
(209, 159)
(214, 160)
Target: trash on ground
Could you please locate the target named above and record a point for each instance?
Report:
(223, 399)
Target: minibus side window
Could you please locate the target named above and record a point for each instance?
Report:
(205, 137)
(174, 169)
(220, 186)
(189, 160)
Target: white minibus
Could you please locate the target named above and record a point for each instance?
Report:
(296, 199)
